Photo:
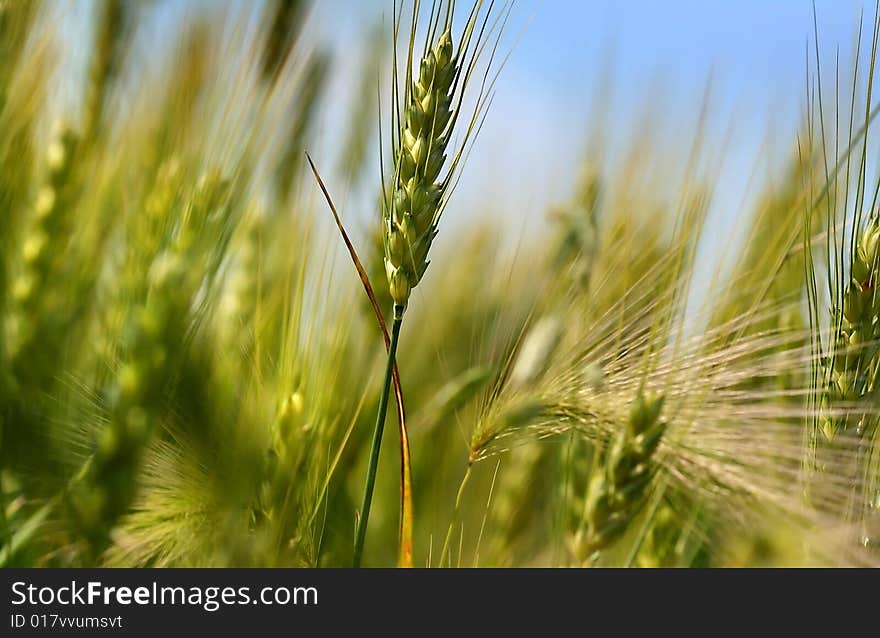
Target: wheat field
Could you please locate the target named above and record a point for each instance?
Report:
(214, 353)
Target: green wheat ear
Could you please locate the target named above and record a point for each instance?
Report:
(417, 193)
(851, 370)
(617, 492)
(411, 222)
(424, 125)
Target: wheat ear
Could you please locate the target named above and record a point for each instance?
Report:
(40, 248)
(153, 330)
(431, 106)
(851, 368)
(616, 493)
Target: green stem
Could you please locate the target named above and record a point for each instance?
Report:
(377, 440)
(455, 510)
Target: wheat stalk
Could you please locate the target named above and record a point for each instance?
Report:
(431, 107)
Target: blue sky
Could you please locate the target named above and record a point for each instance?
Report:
(660, 56)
